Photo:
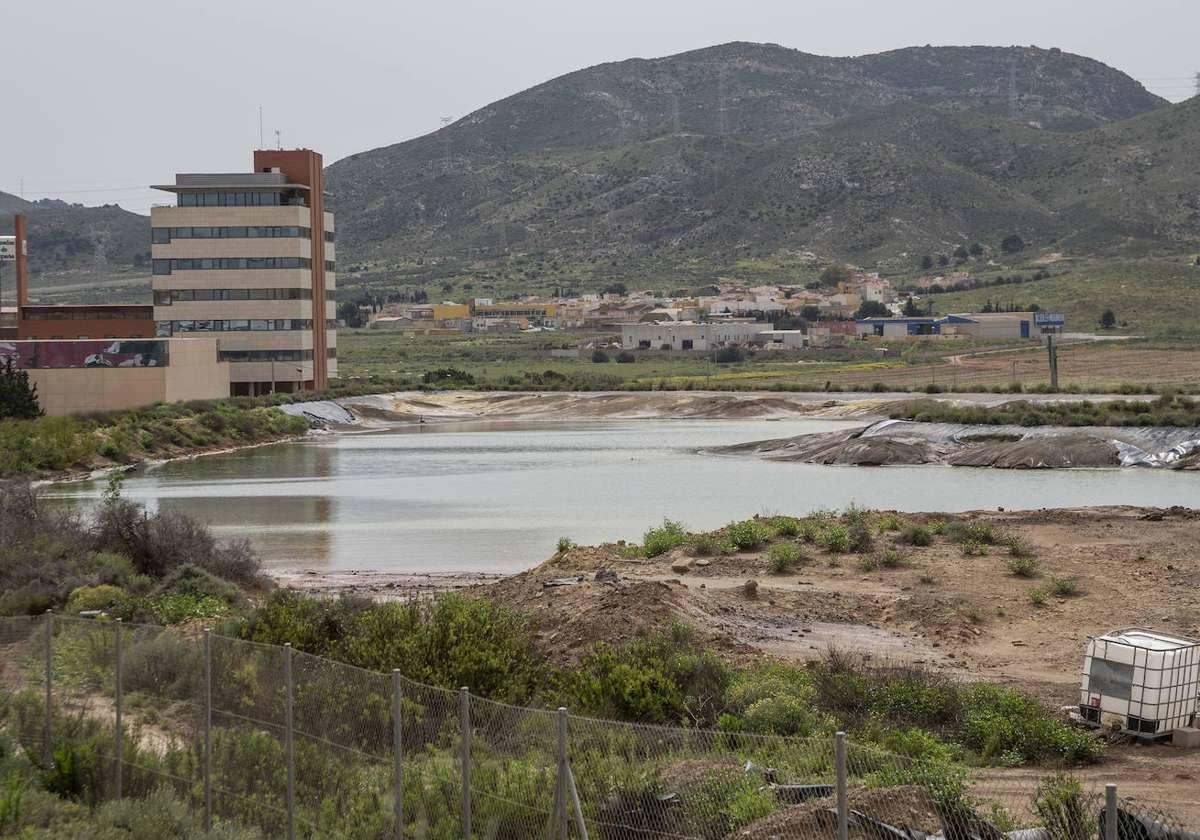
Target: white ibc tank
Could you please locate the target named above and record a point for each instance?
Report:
(1140, 681)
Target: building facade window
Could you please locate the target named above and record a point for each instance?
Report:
(87, 315)
(163, 267)
(164, 235)
(164, 297)
(165, 329)
(229, 199)
(329, 265)
(265, 355)
(329, 236)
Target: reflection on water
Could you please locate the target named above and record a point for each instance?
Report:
(497, 496)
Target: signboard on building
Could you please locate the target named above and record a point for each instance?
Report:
(1050, 319)
(8, 248)
(123, 353)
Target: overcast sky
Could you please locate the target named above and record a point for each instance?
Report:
(104, 98)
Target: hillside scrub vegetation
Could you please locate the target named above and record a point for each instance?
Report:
(152, 567)
(47, 445)
(1168, 410)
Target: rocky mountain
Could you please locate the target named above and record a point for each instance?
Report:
(757, 152)
(66, 237)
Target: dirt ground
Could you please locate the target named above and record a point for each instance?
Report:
(451, 406)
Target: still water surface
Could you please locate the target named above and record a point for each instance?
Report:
(497, 496)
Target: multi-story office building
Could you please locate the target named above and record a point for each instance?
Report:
(248, 258)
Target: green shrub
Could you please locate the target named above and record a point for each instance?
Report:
(836, 538)
(783, 557)
(665, 678)
(1065, 587)
(975, 532)
(165, 666)
(747, 534)
(890, 522)
(999, 720)
(809, 531)
(1059, 804)
(973, 548)
(786, 526)
(669, 535)
(113, 569)
(1025, 567)
(102, 597)
(938, 527)
(783, 715)
(920, 744)
(859, 537)
(891, 558)
(1039, 597)
(918, 535)
(177, 607)
(706, 545)
(1017, 546)
(565, 544)
(856, 515)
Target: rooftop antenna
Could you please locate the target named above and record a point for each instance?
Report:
(278, 139)
(260, 131)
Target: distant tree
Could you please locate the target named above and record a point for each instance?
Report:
(615, 289)
(943, 260)
(1108, 319)
(810, 313)
(872, 309)
(988, 307)
(834, 274)
(961, 254)
(927, 262)
(911, 310)
(599, 356)
(350, 314)
(976, 249)
(18, 397)
(1012, 244)
(625, 358)
(728, 355)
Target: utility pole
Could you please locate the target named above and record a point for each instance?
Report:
(446, 144)
(1197, 93)
(1053, 352)
(1013, 105)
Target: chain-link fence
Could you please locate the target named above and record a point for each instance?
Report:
(301, 746)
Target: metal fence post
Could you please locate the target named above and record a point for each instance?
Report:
(1110, 812)
(289, 744)
(397, 753)
(561, 827)
(47, 730)
(843, 810)
(208, 801)
(464, 713)
(120, 745)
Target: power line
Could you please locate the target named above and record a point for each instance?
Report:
(56, 191)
